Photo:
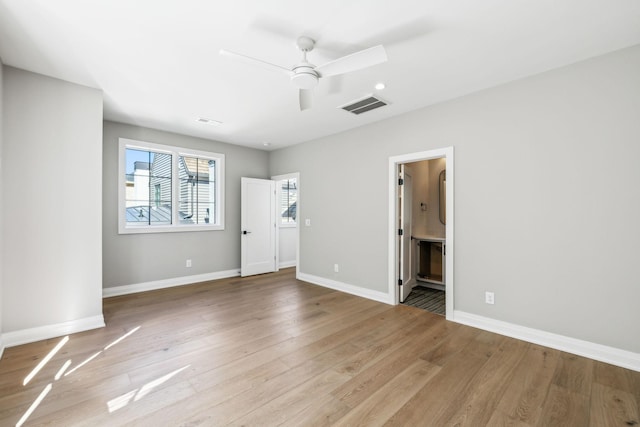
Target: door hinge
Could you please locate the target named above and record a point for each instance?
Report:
(400, 181)
(399, 282)
(400, 232)
(444, 250)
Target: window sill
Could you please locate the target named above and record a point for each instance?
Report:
(169, 229)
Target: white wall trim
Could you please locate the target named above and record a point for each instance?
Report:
(39, 333)
(287, 264)
(1, 347)
(603, 353)
(347, 288)
(168, 283)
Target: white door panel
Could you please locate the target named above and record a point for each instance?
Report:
(258, 212)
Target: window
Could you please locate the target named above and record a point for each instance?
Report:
(197, 189)
(288, 201)
(167, 189)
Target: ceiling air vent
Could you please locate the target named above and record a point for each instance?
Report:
(363, 105)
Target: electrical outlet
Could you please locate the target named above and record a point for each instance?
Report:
(489, 298)
(307, 222)
(188, 263)
(336, 268)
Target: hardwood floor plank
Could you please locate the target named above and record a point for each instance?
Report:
(565, 408)
(500, 419)
(294, 401)
(272, 350)
(480, 398)
(451, 341)
(377, 349)
(394, 394)
(357, 389)
(432, 400)
(325, 411)
(613, 407)
(528, 386)
(574, 373)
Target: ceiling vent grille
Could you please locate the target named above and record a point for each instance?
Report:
(363, 105)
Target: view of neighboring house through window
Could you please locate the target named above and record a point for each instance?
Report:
(169, 188)
(288, 199)
(197, 190)
(148, 171)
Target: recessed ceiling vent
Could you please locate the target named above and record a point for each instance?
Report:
(208, 121)
(363, 105)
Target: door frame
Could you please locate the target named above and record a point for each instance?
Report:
(273, 216)
(394, 162)
(277, 178)
(407, 282)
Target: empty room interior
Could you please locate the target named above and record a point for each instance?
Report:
(305, 214)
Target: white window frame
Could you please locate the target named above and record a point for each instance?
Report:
(175, 152)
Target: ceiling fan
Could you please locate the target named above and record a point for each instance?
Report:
(305, 76)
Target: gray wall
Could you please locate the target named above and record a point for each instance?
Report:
(538, 220)
(52, 182)
(138, 258)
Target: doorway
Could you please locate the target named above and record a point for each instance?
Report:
(269, 224)
(421, 249)
(259, 245)
(287, 218)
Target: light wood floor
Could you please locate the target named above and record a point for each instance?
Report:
(270, 350)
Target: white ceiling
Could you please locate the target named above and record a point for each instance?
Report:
(157, 61)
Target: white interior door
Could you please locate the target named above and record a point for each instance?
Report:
(258, 226)
(405, 192)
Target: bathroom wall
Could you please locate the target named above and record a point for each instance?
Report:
(426, 191)
(434, 226)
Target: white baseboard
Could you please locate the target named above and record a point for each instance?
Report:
(1, 347)
(39, 333)
(603, 353)
(168, 283)
(345, 287)
(287, 264)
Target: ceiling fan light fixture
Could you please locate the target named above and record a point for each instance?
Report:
(304, 78)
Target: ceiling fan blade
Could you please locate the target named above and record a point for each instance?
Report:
(306, 99)
(355, 61)
(251, 60)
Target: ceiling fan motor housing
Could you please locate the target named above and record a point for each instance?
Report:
(304, 76)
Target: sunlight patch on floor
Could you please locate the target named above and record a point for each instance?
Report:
(62, 369)
(34, 405)
(45, 360)
(137, 394)
(122, 337)
(83, 363)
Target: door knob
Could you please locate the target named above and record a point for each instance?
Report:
(246, 232)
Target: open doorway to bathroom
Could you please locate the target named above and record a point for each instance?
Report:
(421, 254)
(425, 205)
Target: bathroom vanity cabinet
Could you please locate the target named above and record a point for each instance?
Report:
(431, 252)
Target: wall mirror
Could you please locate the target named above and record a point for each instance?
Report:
(442, 179)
